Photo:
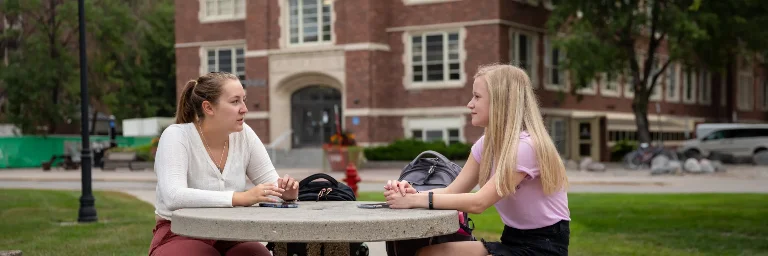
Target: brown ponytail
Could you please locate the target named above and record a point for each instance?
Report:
(205, 88)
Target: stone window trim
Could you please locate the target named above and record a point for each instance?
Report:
(238, 11)
(408, 64)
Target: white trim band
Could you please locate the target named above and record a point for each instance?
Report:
(210, 43)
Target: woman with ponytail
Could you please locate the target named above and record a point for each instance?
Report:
(516, 166)
(203, 161)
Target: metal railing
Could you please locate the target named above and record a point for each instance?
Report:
(277, 141)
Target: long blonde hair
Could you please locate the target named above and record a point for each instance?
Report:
(514, 108)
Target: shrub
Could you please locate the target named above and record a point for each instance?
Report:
(622, 148)
(408, 149)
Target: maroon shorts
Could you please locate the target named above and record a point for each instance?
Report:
(165, 242)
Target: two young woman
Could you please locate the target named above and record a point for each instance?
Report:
(203, 159)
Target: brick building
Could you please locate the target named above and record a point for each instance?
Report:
(403, 68)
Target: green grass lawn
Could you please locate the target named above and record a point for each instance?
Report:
(643, 224)
(42, 222)
(603, 224)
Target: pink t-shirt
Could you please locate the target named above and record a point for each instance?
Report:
(529, 207)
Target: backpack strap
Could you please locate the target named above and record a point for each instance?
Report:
(315, 176)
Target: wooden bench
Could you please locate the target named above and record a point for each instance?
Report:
(114, 160)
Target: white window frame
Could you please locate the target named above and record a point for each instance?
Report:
(555, 137)
(417, 2)
(320, 24)
(657, 93)
(548, 66)
(591, 88)
(694, 75)
(203, 16)
(532, 55)
(705, 87)
(204, 59)
(746, 90)
(605, 91)
(446, 82)
(672, 71)
(628, 85)
(18, 24)
(7, 26)
(435, 123)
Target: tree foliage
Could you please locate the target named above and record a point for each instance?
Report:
(638, 39)
(130, 61)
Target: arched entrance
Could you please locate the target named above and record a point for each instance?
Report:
(313, 111)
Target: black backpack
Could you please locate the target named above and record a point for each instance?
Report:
(330, 190)
(426, 174)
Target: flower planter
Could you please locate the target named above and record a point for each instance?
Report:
(338, 157)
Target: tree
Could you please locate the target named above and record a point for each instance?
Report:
(627, 37)
(40, 88)
(130, 55)
(151, 89)
(738, 27)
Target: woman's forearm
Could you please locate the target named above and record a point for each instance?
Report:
(466, 202)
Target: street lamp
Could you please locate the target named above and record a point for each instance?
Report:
(87, 212)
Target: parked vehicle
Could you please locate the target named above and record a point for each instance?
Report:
(739, 141)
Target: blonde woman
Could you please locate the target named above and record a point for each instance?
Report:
(516, 165)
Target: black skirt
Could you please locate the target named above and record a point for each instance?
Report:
(549, 240)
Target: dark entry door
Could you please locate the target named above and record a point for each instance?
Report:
(312, 115)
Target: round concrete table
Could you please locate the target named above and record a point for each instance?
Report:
(338, 222)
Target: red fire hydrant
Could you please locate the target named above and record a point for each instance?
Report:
(352, 178)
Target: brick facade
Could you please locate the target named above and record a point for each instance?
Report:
(367, 57)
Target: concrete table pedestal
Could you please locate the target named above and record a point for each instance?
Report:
(314, 249)
(335, 224)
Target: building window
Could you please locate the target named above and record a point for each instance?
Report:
(555, 75)
(672, 83)
(221, 10)
(449, 135)
(689, 85)
(310, 21)
(765, 94)
(522, 53)
(723, 93)
(447, 129)
(226, 59)
(609, 84)
(655, 68)
(746, 91)
(557, 129)
(12, 38)
(435, 57)
(705, 87)
(629, 88)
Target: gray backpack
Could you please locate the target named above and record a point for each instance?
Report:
(430, 173)
(426, 174)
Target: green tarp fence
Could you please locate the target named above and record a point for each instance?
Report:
(31, 151)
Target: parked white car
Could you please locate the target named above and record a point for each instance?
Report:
(738, 140)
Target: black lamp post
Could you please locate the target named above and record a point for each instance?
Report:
(87, 212)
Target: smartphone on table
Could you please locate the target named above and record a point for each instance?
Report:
(373, 206)
(280, 205)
